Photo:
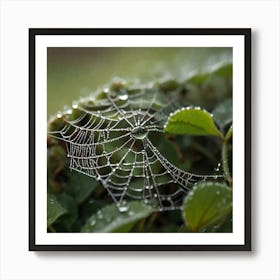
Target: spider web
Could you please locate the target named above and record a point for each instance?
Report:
(110, 137)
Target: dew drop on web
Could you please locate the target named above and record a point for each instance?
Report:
(122, 95)
(139, 132)
(75, 105)
(123, 206)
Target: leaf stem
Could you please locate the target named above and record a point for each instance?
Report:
(51, 228)
(141, 225)
(228, 135)
(225, 162)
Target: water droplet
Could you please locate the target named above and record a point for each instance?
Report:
(92, 222)
(106, 90)
(122, 95)
(218, 167)
(139, 132)
(59, 115)
(123, 207)
(75, 105)
(67, 110)
(216, 226)
(131, 213)
(99, 214)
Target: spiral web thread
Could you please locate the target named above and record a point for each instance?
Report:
(108, 139)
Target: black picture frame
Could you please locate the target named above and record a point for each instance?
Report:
(246, 32)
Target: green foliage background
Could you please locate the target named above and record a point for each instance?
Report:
(77, 203)
(73, 72)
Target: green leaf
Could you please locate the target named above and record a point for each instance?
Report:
(223, 113)
(54, 209)
(228, 134)
(208, 204)
(80, 186)
(224, 71)
(65, 223)
(111, 219)
(192, 121)
(199, 78)
(169, 85)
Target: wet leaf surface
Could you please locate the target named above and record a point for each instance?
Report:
(112, 219)
(208, 204)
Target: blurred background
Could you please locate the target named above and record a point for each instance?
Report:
(73, 72)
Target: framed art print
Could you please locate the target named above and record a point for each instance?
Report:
(140, 139)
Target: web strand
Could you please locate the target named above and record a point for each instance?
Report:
(110, 142)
